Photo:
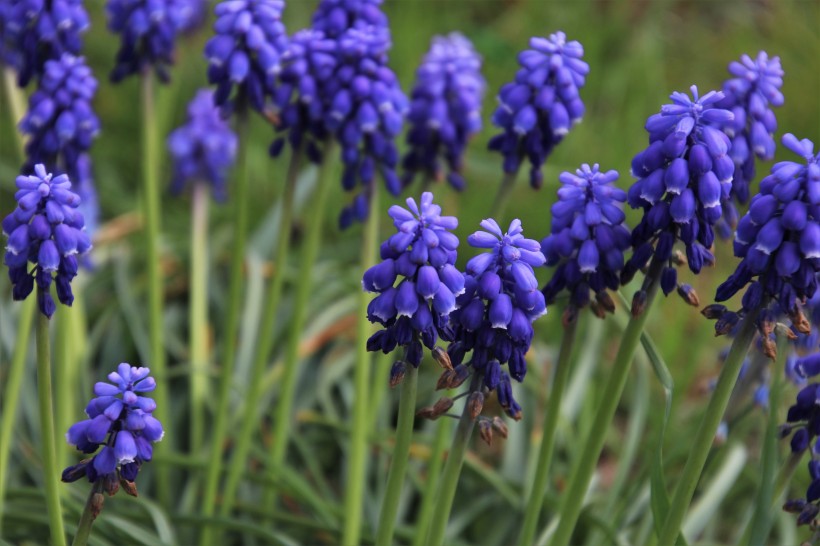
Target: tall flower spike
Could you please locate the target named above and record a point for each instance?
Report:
(203, 149)
(421, 256)
(587, 240)
(45, 229)
(682, 177)
(778, 241)
(367, 108)
(60, 122)
(119, 421)
(445, 109)
(750, 95)
(33, 32)
(335, 17)
(148, 31)
(539, 107)
(245, 51)
(495, 312)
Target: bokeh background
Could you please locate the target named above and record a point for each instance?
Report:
(639, 52)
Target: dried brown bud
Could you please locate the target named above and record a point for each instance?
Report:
(689, 295)
(597, 310)
(485, 429)
(460, 375)
(678, 258)
(444, 380)
(111, 484)
(443, 359)
(725, 323)
(129, 487)
(475, 403)
(639, 303)
(785, 330)
(435, 411)
(713, 311)
(397, 373)
(769, 347)
(799, 321)
(569, 316)
(427, 412)
(96, 503)
(500, 426)
(605, 301)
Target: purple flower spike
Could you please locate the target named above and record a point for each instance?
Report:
(334, 17)
(421, 257)
(47, 230)
(203, 149)
(119, 421)
(495, 312)
(587, 239)
(537, 109)
(445, 109)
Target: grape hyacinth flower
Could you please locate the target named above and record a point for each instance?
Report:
(335, 17)
(421, 256)
(750, 95)
(445, 109)
(587, 240)
(778, 241)
(45, 229)
(60, 123)
(204, 149)
(537, 109)
(33, 32)
(119, 421)
(367, 108)
(148, 32)
(245, 51)
(682, 177)
(495, 313)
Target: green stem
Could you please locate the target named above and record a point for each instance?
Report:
(287, 385)
(504, 193)
(62, 379)
(450, 476)
(608, 403)
(434, 466)
(536, 500)
(198, 313)
(401, 455)
(151, 203)
(17, 107)
(51, 472)
(706, 433)
(357, 455)
(90, 513)
(758, 529)
(11, 396)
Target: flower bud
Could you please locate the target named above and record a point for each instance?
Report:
(639, 303)
(485, 429)
(713, 311)
(442, 358)
(500, 426)
(397, 373)
(688, 294)
(475, 403)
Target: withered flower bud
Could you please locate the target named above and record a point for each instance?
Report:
(688, 294)
(605, 300)
(397, 373)
(569, 316)
(443, 359)
(769, 347)
(725, 323)
(597, 310)
(799, 321)
(475, 403)
(713, 311)
(639, 303)
(444, 380)
(678, 258)
(111, 484)
(130, 488)
(500, 426)
(97, 501)
(485, 429)
(460, 375)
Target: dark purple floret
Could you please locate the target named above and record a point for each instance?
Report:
(119, 421)
(494, 318)
(60, 123)
(204, 149)
(335, 17)
(35, 31)
(750, 94)
(778, 240)
(245, 51)
(421, 257)
(587, 240)
(148, 30)
(682, 177)
(45, 229)
(445, 110)
(537, 109)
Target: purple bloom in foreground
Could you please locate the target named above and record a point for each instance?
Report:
(421, 256)
(587, 240)
(494, 318)
(445, 109)
(335, 17)
(45, 229)
(204, 149)
(538, 108)
(33, 32)
(119, 421)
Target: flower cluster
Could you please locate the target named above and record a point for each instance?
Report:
(423, 253)
(148, 31)
(119, 420)
(495, 312)
(46, 229)
(245, 52)
(203, 149)
(335, 17)
(538, 108)
(778, 241)
(60, 122)
(33, 32)
(445, 109)
(587, 240)
(367, 108)
(683, 175)
(750, 94)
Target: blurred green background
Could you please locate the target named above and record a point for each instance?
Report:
(638, 51)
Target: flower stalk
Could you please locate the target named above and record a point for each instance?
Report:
(92, 509)
(198, 312)
(434, 466)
